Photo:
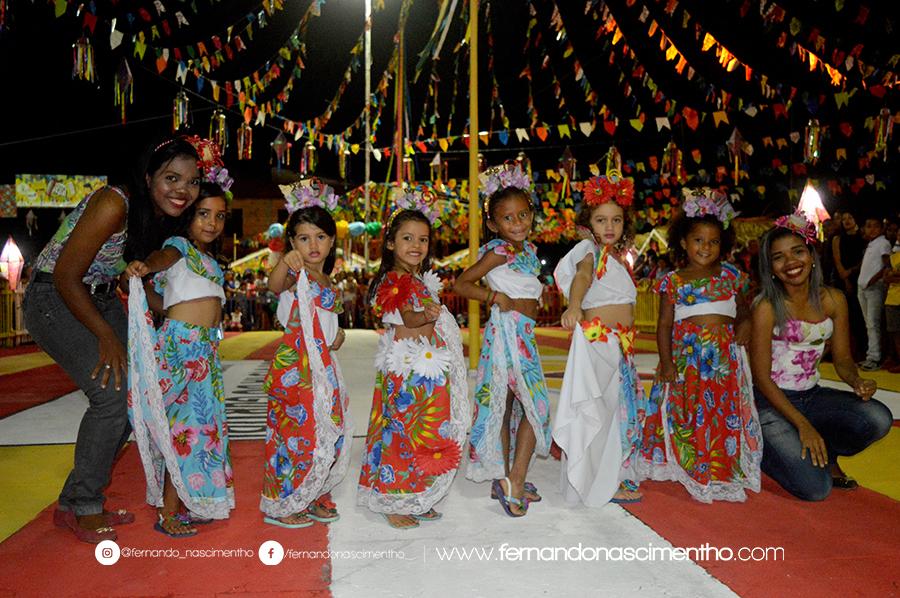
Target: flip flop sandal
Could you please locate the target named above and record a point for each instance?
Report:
(279, 523)
(170, 519)
(330, 518)
(430, 515)
(630, 487)
(507, 500)
(326, 504)
(91, 536)
(188, 519)
(397, 526)
(844, 483)
(529, 487)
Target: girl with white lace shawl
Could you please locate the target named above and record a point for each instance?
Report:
(308, 430)
(420, 412)
(512, 409)
(176, 392)
(601, 405)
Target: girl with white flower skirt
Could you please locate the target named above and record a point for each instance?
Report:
(308, 430)
(601, 403)
(420, 410)
(702, 429)
(512, 410)
(176, 395)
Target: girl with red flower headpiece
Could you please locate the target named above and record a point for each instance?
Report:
(308, 428)
(420, 410)
(601, 404)
(176, 390)
(702, 429)
(512, 409)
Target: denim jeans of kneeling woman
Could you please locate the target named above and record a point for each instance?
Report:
(104, 427)
(846, 423)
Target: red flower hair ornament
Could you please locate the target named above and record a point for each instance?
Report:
(614, 187)
(441, 457)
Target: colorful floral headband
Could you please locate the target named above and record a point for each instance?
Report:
(705, 201)
(414, 199)
(501, 177)
(599, 190)
(209, 160)
(308, 193)
(798, 224)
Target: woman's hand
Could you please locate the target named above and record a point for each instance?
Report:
(432, 312)
(503, 301)
(338, 340)
(136, 268)
(293, 260)
(812, 441)
(666, 372)
(864, 388)
(571, 317)
(112, 361)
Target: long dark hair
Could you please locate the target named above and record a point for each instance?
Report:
(682, 225)
(317, 216)
(146, 230)
(771, 289)
(387, 255)
(494, 200)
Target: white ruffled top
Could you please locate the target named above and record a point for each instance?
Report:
(614, 287)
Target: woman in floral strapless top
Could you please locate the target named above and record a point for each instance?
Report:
(806, 426)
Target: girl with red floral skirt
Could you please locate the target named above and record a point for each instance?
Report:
(420, 409)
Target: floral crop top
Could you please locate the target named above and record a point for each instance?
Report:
(327, 302)
(108, 262)
(398, 290)
(796, 352)
(711, 295)
(194, 276)
(518, 277)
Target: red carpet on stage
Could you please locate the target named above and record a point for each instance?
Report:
(846, 545)
(267, 352)
(20, 350)
(42, 560)
(33, 387)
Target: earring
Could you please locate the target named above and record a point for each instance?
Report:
(814, 266)
(773, 277)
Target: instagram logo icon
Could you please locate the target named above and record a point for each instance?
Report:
(107, 552)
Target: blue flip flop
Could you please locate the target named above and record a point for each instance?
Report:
(276, 522)
(429, 515)
(162, 518)
(529, 487)
(506, 500)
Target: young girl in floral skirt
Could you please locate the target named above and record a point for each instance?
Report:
(601, 405)
(702, 428)
(308, 430)
(510, 389)
(176, 390)
(420, 411)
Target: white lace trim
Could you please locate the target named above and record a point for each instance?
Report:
(151, 426)
(327, 433)
(491, 464)
(733, 491)
(417, 503)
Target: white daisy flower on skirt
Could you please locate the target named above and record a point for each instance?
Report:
(402, 356)
(431, 362)
(433, 284)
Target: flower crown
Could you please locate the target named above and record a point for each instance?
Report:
(414, 199)
(308, 193)
(705, 201)
(506, 175)
(798, 224)
(599, 190)
(209, 161)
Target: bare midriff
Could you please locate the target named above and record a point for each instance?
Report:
(527, 307)
(610, 315)
(206, 312)
(710, 320)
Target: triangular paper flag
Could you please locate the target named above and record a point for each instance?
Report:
(586, 128)
(377, 154)
(542, 133)
(522, 134)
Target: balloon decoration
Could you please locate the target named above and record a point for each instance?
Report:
(343, 229)
(812, 147)
(84, 66)
(180, 111)
(276, 229)
(245, 142)
(373, 228)
(356, 229)
(218, 128)
(884, 127)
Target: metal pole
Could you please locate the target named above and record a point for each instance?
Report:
(399, 97)
(474, 204)
(368, 59)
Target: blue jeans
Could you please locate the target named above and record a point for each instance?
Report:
(847, 424)
(103, 428)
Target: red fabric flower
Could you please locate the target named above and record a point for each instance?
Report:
(393, 293)
(600, 189)
(439, 458)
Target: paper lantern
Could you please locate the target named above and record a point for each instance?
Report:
(218, 128)
(245, 142)
(812, 145)
(308, 159)
(884, 126)
(84, 66)
(812, 207)
(181, 111)
(12, 258)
